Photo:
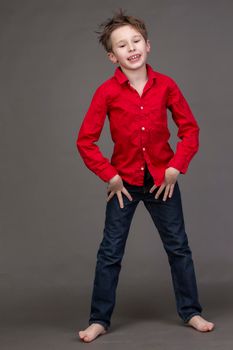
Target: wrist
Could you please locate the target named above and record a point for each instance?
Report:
(114, 178)
(174, 169)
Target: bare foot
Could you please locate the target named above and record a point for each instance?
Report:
(92, 332)
(200, 324)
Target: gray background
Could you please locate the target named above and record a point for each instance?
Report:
(52, 206)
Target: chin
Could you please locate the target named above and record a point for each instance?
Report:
(134, 66)
(138, 65)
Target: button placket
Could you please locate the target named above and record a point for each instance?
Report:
(143, 130)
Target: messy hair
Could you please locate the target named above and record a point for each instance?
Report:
(119, 19)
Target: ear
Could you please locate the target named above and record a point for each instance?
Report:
(148, 47)
(112, 57)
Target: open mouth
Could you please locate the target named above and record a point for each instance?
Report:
(134, 58)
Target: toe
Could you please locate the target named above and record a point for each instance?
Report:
(207, 327)
(211, 326)
(84, 336)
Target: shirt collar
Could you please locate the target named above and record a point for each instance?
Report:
(122, 78)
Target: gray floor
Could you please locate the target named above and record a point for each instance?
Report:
(48, 319)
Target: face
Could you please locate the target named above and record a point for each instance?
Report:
(129, 48)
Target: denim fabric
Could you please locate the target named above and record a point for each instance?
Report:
(168, 219)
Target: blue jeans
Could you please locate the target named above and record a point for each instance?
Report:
(168, 219)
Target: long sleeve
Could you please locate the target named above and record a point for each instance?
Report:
(188, 129)
(89, 133)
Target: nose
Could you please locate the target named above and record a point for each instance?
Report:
(131, 47)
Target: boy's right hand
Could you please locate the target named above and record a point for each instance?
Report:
(115, 185)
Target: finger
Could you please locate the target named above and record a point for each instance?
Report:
(161, 188)
(120, 199)
(171, 190)
(167, 189)
(152, 188)
(110, 196)
(128, 195)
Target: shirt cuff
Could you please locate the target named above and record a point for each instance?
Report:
(179, 164)
(108, 173)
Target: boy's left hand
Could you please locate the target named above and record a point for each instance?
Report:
(171, 175)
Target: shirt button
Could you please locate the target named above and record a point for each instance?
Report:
(143, 148)
(142, 168)
(143, 128)
(141, 107)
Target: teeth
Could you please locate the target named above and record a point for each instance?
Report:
(133, 57)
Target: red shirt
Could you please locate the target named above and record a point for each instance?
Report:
(139, 129)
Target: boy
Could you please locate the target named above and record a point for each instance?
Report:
(143, 167)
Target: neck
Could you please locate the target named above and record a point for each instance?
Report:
(136, 76)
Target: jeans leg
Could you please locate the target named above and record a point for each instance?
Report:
(168, 218)
(109, 257)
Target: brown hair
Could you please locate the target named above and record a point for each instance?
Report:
(118, 20)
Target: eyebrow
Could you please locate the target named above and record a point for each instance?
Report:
(137, 35)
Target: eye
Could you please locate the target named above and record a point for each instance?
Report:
(136, 41)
